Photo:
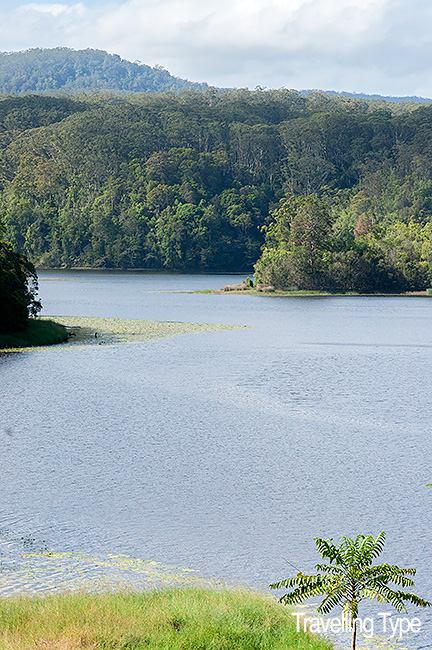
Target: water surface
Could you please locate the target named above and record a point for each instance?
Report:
(225, 452)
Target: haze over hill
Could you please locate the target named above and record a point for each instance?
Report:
(387, 98)
(61, 69)
(65, 70)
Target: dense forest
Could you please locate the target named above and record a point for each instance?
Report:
(339, 190)
(63, 70)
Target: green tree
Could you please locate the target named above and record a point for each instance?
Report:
(301, 227)
(18, 289)
(350, 577)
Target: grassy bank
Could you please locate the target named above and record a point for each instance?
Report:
(175, 619)
(38, 332)
(278, 293)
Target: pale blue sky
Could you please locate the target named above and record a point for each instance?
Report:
(373, 46)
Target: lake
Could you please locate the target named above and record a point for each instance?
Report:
(222, 452)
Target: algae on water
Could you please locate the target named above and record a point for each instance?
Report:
(48, 572)
(108, 331)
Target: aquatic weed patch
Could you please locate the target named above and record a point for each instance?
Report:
(113, 331)
(102, 331)
(48, 572)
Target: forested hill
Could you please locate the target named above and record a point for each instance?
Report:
(188, 181)
(62, 69)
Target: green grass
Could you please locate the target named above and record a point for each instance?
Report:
(38, 332)
(174, 619)
(280, 293)
(276, 292)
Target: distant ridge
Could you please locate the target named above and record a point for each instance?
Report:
(386, 98)
(64, 70)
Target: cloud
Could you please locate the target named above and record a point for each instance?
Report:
(54, 10)
(381, 46)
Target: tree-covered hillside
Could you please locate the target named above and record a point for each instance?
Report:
(62, 69)
(188, 181)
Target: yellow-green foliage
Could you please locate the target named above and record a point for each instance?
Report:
(175, 619)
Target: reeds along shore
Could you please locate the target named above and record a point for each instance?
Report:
(171, 619)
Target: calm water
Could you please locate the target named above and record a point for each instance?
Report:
(225, 452)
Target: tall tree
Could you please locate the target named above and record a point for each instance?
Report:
(301, 228)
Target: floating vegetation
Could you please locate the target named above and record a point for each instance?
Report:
(50, 572)
(114, 331)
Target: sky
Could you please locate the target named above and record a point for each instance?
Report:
(370, 46)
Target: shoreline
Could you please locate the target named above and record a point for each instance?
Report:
(279, 293)
(39, 332)
(98, 269)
